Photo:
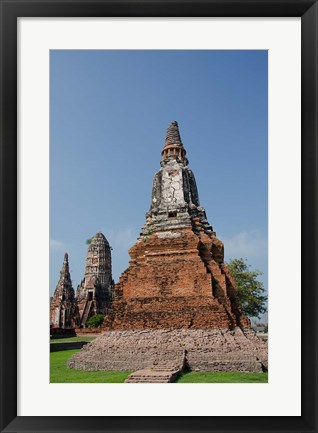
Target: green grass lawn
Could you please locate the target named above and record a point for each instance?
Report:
(71, 339)
(222, 377)
(60, 373)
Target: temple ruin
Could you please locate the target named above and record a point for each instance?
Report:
(95, 293)
(177, 277)
(93, 296)
(177, 300)
(62, 308)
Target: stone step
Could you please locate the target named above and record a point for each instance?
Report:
(164, 369)
(147, 380)
(154, 374)
(164, 377)
(168, 366)
(150, 373)
(167, 369)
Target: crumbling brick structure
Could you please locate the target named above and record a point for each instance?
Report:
(177, 299)
(95, 293)
(177, 277)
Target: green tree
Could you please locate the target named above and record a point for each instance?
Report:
(95, 321)
(89, 241)
(250, 291)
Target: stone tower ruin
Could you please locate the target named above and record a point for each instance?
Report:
(177, 277)
(63, 305)
(95, 293)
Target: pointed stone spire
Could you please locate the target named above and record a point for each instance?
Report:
(173, 135)
(63, 300)
(173, 148)
(65, 266)
(65, 276)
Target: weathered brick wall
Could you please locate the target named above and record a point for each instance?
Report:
(172, 313)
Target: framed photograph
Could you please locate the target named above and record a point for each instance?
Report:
(88, 90)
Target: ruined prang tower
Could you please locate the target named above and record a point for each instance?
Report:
(63, 300)
(177, 277)
(95, 293)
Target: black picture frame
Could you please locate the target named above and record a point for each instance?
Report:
(10, 11)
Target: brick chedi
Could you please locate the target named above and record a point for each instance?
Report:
(177, 277)
(95, 293)
(63, 304)
(176, 303)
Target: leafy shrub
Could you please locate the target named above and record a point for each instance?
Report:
(95, 321)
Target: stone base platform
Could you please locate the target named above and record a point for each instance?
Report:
(200, 350)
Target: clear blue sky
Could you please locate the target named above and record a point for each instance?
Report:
(109, 111)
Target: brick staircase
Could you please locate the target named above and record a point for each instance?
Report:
(156, 373)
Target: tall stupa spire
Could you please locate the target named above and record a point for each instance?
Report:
(173, 135)
(175, 200)
(173, 147)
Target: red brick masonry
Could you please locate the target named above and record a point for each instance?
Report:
(174, 282)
